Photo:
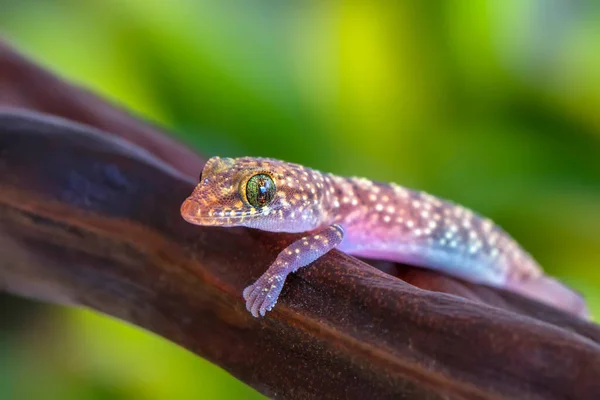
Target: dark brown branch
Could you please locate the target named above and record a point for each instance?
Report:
(88, 221)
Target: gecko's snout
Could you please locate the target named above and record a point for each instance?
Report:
(198, 213)
(191, 210)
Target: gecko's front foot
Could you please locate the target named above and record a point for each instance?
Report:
(262, 295)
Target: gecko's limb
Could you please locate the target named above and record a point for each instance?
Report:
(262, 295)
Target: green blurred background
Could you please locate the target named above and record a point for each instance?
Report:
(493, 104)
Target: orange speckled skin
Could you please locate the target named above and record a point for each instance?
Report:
(362, 217)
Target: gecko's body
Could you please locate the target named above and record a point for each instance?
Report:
(365, 218)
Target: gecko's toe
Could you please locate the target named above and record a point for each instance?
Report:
(250, 295)
(258, 301)
(247, 292)
(269, 299)
(264, 308)
(255, 307)
(268, 307)
(264, 304)
(252, 307)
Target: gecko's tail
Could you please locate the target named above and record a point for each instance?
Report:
(552, 292)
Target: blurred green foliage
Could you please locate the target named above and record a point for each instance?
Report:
(493, 104)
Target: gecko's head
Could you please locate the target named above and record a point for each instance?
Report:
(255, 192)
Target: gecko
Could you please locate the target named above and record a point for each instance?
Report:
(364, 218)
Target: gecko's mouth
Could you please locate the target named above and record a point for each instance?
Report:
(194, 213)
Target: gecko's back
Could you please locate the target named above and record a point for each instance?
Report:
(387, 221)
(374, 220)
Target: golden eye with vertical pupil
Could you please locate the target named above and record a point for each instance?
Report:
(260, 190)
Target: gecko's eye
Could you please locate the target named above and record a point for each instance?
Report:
(260, 190)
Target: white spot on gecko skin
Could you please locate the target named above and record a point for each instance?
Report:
(486, 225)
(378, 207)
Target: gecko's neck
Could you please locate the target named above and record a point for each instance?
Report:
(347, 199)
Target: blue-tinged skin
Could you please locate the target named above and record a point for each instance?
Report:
(365, 218)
